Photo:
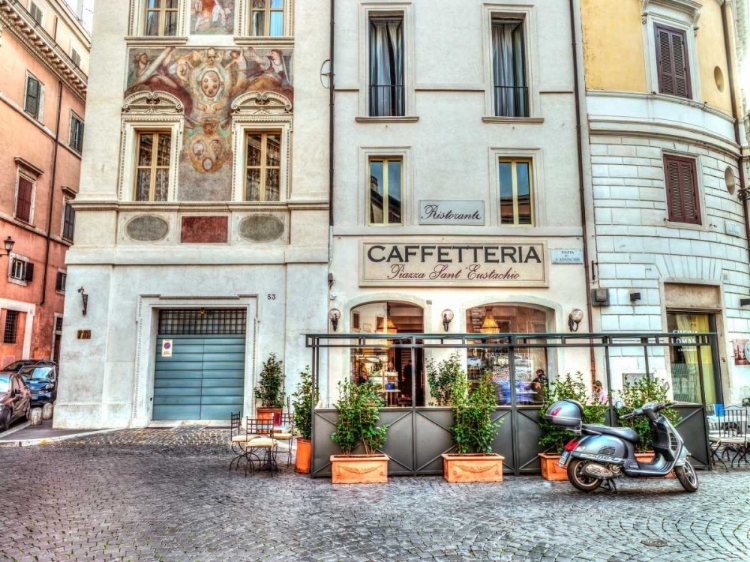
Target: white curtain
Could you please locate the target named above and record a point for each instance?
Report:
(508, 69)
(386, 67)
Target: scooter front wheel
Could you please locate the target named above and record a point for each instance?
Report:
(687, 477)
(579, 479)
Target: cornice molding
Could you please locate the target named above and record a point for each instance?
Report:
(198, 206)
(689, 7)
(19, 22)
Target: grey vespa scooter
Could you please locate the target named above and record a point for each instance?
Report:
(600, 453)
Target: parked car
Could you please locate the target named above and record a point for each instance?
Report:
(15, 399)
(42, 382)
(18, 365)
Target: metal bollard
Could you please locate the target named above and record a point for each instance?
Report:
(36, 416)
(47, 411)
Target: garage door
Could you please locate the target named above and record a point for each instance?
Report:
(204, 377)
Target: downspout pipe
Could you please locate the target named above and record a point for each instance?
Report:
(581, 183)
(52, 193)
(737, 117)
(331, 105)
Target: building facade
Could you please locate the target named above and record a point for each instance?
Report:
(668, 178)
(202, 242)
(42, 109)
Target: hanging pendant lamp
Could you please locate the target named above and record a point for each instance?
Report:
(489, 326)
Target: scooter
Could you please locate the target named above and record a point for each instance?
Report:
(601, 454)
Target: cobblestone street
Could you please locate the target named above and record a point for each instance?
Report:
(167, 495)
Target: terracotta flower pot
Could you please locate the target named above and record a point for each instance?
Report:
(267, 413)
(550, 470)
(648, 457)
(473, 467)
(359, 469)
(304, 456)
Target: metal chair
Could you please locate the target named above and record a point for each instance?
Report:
(260, 446)
(284, 434)
(727, 434)
(236, 437)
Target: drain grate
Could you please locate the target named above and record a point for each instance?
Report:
(655, 542)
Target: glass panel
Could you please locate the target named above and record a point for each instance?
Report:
(162, 185)
(153, 4)
(172, 4)
(394, 191)
(273, 150)
(162, 158)
(272, 185)
(152, 23)
(684, 360)
(259, 3)
(170, 23)
(524, 192)
(376, 192)
(253, 150)
(506, 193)
(145, 149)
(253, 185)
(143, 185)
(277, 4)
(259, 19)
(277, 24)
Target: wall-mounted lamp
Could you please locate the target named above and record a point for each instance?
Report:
(8, 246)
(635, 297)
(447, 315)
(85, 299)
(744, 302)
(574, 319)
(334, 315)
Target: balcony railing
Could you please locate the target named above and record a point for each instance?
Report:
(387, 101)
(511, 101)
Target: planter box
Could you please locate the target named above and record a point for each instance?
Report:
(550, 470)
(648, 457)
(267, 413)
(359, 469)
(474, 467)
(303, 457)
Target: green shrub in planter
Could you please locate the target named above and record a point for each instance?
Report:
(636, 394)
(303, 402)
(473, 430)
(270, 389)
(358, 411)
(441, 378)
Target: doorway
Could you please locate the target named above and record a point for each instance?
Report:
(687, 363)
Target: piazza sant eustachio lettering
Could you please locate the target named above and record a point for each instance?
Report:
(511, 264)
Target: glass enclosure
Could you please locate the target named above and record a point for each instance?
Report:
(684, 359)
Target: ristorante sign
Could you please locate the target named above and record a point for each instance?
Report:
(478, 264)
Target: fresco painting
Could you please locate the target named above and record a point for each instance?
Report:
(207, 81)
(212, 17)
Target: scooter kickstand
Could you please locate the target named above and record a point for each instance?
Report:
(610, 485)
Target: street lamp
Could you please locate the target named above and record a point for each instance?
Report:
(8, 246)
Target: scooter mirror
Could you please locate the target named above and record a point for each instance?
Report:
(619, 404)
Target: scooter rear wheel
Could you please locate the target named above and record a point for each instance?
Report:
(579, 479)
(687, 477)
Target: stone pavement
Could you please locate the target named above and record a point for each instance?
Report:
(167, 495)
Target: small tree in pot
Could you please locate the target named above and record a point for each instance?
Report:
(270, 390)
(442, 377)
(304, 401)
(636, 394)
(473, 431)
(358, 412)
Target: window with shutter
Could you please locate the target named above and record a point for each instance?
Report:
(682, 190)
(673, 65)
(24, 199)
(33, 96)
(76, 133)
(69, 221)
(36, 13)
(62, 277)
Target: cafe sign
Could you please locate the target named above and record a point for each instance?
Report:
(464, 264)
(469, 213)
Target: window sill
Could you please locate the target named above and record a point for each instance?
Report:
(156, 40)
(386, 119)
(514, 120)
(684, 225)
(18, 281)
(262, 40)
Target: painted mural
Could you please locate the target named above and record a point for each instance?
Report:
(212, 17)
(207, 81)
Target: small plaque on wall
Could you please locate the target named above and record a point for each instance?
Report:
(204, 230)
(452, 212)
(84, 334)
(573, 256)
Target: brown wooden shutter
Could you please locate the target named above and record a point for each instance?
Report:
(682, 190)
(673, 65)
(23, 203)
(31, 104)
(29, 277)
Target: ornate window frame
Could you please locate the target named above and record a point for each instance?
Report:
(261, 111)
(137, 23)
(155, 111)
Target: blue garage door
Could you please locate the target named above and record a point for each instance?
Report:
(204, 378)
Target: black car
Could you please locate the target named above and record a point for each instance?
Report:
(15, 399)
(41, 378)
(18, 365)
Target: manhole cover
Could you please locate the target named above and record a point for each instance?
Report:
(655, 542)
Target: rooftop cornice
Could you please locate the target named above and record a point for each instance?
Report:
(17, 20)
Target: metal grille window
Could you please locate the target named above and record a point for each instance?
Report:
(76, 133)
(69, 222)
(152, 166)
(161, 17)
(58, 324)
(203, 322)
(24, 199)
(11, 325)
(263, 167)
(385, 190)
(32, 103)
(509, 69)
(268, 18)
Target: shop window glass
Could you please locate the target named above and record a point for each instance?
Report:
(684, 360)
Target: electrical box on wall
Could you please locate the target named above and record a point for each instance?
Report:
(600, 297)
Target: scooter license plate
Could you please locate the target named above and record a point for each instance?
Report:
(563, 459)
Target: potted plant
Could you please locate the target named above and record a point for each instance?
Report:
(473, 432)
(270, 390)
(442, 377)
(553, 437)
(358, 411)
(633, 396)
(303, 402)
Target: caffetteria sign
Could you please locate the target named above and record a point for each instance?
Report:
(479, 264)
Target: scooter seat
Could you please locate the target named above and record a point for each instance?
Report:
(626, 433)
